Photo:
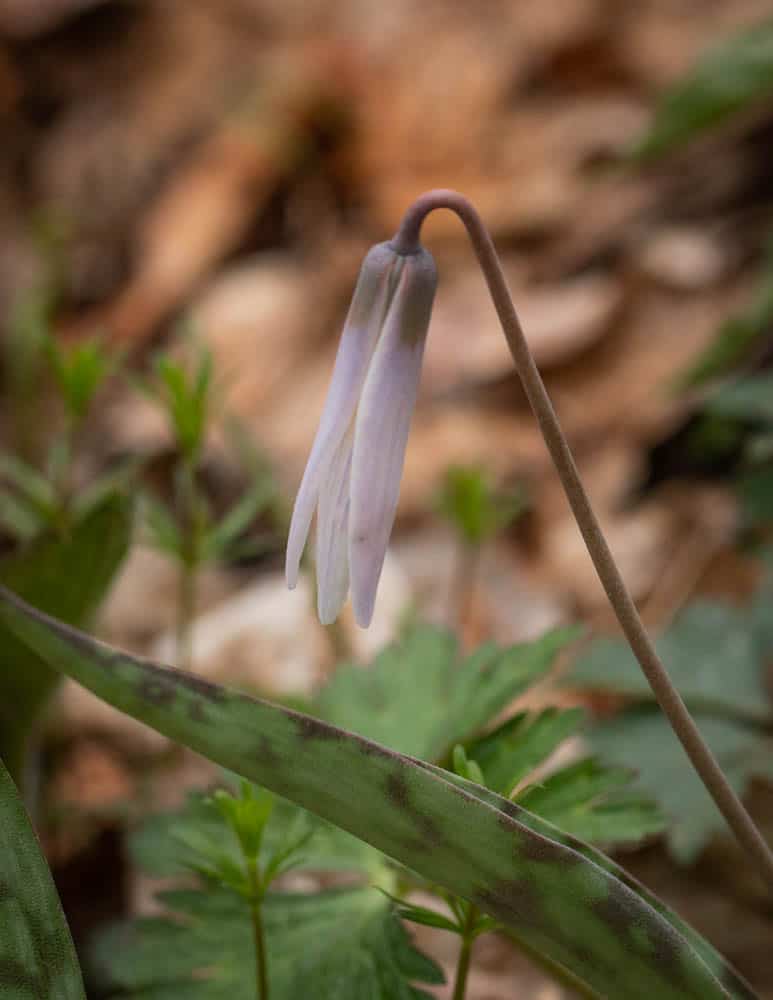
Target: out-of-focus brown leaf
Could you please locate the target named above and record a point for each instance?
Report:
(25, 18)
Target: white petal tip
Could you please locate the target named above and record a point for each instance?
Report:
(364, 622)
(327, 616)
(363, 608)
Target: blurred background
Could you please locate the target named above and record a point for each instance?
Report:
(186, 193)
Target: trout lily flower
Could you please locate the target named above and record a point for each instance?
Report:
(352, 477)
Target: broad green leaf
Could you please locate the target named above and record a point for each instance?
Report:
(642, 739)
(421, 697)
(68, 577)
(725, 80)
(714, 658)
(331, 945)
(562, 905)
(37, 957)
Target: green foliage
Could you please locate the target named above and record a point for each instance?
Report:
(68, 577)
(594, 802)
(421, 698)
(187, 399)
(474, 509)
(727, 79)
(348, 940)
(750, 398)
(583, 799)
(175, 842)
(642, 739)
(737, 336)
(583, 914)
(37, 957)
(79, 372)
(716, 656)
(514, 749)
(329, 945)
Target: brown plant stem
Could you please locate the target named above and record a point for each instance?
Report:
(703, 760)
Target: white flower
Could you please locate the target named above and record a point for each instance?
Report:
(353, 474)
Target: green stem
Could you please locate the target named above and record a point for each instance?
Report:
(258, 933)
(465, 953)
(191, 518)
(186, 609)
(463, 584)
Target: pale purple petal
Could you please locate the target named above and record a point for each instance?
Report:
(358, 341)
(381, 429)
(332, 548)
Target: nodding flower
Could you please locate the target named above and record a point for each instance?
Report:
(352, 478)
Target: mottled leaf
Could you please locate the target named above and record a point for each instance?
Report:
(561, 904)
(37, 957)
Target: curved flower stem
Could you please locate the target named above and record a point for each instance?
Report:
(407, 241)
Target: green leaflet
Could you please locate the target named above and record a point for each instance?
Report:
(559, 902)
(420, 697)
(165, 844)
(37, 957)
(332, 945)
(714, 654)
(641, 738)
(725, 80)
(67, 577)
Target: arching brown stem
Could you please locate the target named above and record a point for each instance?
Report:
(703, 760)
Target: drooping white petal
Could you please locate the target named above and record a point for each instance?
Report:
(381, 429)
(358, 341)
(332, 543)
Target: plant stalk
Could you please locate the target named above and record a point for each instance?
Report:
(465, 953)
(703, 760)
(258, 933)
(463, 584)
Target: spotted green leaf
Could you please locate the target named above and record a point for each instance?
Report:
(37, 957)
(576, 912)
